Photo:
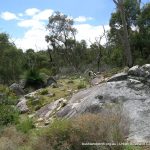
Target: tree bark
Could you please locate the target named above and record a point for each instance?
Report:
(126, 42)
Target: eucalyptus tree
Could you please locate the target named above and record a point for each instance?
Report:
(123, 25)
(61, 37)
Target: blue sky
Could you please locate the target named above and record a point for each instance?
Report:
(25, 20)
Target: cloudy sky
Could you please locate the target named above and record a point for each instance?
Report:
(25, 20)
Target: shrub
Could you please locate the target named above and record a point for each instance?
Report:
(70, 134)
(45, 71)
(8, 115)
(7, 97)
(11, 139)
(81, 85)
(33, 79)
(131, 147)
(35, 103)
(44, 92)
(26, 125)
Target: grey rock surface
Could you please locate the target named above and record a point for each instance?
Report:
(17, 89)
(118, 77)
(130, 90)
(50, 109)
(134, 103)
(22, 106)
(97, 80)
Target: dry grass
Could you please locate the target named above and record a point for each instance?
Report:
(70, 134)
(11, 139)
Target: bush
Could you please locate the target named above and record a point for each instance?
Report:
(130, 147)
(34, 80)
(35, 103)
(7, 97)
(45, 71)
(26, 125)
(11, 139)
(70, 134)
(44, 92)
(8, 115)
(81, 85)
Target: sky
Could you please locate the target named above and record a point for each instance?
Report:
(25, 20)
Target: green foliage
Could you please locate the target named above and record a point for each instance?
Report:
(138, 17)
(131, 147)
(26, 125)
(8, 112)
(35, 103)
(81, 85)
(33, 79)
(7, 96)
(45, 71)
(10, 60)
(44, 92)
(8, 115)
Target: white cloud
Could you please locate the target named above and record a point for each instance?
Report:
(8, 16)
(90, 32)
(33, 38)
(37, 20)
(31, 11)
(30, 23)
(20, 15)
(43, 15)
(83, 19)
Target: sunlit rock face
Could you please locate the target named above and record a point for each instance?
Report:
(131, 91)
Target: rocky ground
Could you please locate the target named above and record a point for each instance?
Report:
(129, 90)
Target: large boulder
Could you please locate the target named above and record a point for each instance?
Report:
(140, 73)
(131, 91)
(17, 89)
(146, 67)
(134, 102)
(134, 71)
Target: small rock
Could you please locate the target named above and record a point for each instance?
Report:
(50, 81)
(31, 115)
(51, 95)
(70, 90)
(32, 94)
(40, 120)
(54, 85)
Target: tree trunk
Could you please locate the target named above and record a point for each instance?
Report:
(126, 42)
